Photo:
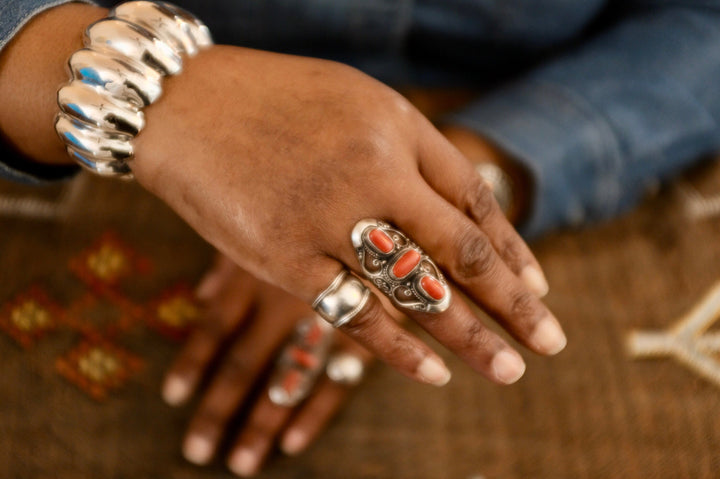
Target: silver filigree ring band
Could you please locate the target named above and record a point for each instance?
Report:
(399, 268)
(119, 71)
(340, 302)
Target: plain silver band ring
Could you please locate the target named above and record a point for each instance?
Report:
(340, 302)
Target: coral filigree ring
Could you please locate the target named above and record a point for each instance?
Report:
(399, 268)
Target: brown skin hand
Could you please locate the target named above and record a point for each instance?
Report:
(273, 158)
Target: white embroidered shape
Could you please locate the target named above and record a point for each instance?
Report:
(697, 206)
(687, 340)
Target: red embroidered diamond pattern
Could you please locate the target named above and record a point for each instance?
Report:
(101, 316)
(97, 367)
(29, 316)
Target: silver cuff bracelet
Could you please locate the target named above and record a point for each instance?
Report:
(117, 74)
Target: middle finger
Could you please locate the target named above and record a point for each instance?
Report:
(235, 378)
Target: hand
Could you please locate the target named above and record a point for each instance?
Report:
(274, 158)
(246, 322)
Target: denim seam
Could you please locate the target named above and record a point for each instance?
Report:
(607, 145)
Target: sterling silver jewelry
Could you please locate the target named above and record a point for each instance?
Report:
(500, 183)
(399, 268)
(119, 71)
(342, 300)
(300, 363)
(345, 368)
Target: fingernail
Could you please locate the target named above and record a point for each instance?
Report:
(433, 371)
(293, 442)
(535, 280)
(508, 367)
(198, 449)
(548, 337)
(175, 391)
(243, 462)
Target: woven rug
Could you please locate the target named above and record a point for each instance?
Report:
(95, 282)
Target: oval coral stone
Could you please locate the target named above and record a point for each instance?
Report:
(304, 358)
(406, 263)
(432, 287)
(291, 381)
(381, 240)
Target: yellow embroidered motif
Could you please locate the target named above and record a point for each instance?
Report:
(98, 364)
(688, 340)
(30, 316)
(107, 263)
(177, 312)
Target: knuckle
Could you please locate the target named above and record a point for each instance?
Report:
(512, 253)
(480, 201)
(403, 347)
(477, 337)
(213, 326)
(475, 255)
(368, 321)
(207, 421)
(188, 366)
(363, 147)
(523, 305)
(235, 367)
(259, 430)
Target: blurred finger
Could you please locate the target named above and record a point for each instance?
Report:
(456, 179)
(257, 436)
(329, 396)
(299, 363)
(223, 312)
(213, 281)
(235, 377)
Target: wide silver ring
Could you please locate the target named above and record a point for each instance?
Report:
(340, 302)
(345, 368)
(399, 268)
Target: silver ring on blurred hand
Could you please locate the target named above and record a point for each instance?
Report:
(345, 368)
(399, 268)
(500, 183)
(342, 300)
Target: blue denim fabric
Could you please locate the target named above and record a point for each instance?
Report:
(602, 98)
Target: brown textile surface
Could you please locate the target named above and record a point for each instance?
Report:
(591, 412)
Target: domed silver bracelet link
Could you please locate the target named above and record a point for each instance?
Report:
(117, 74)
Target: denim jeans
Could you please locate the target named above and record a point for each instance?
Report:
(598, 99)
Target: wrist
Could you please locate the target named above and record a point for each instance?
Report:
(32, 66)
